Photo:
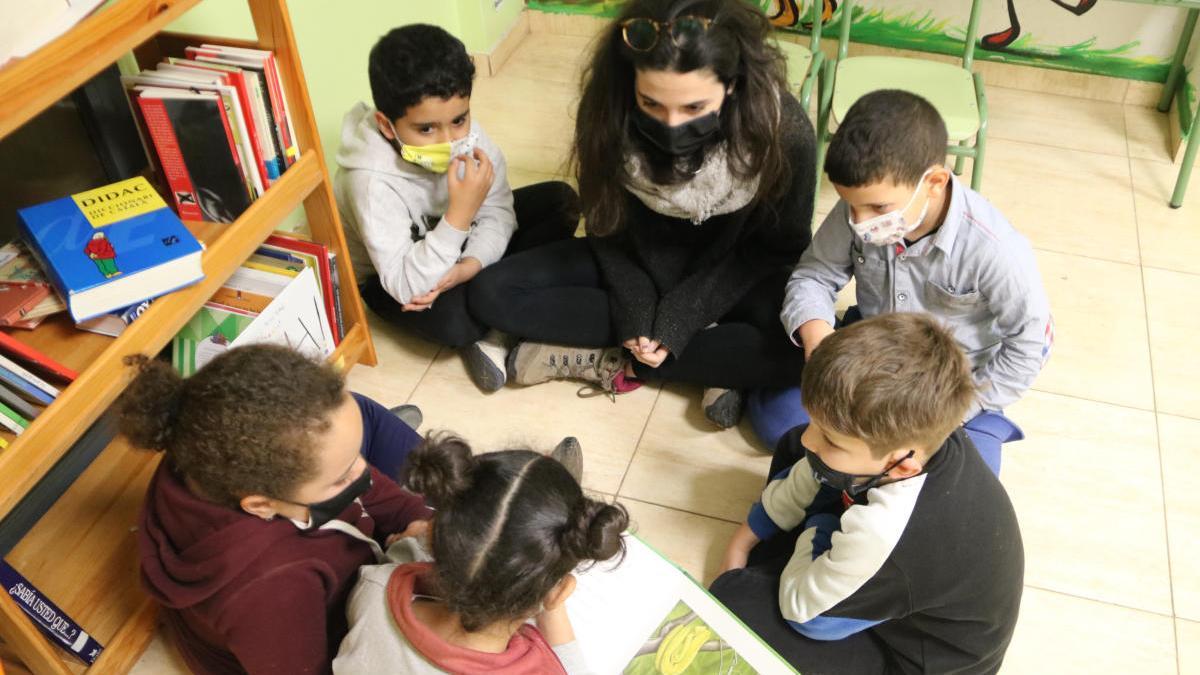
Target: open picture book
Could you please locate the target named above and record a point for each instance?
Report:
(646, 616)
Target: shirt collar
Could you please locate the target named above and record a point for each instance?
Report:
(945, 236)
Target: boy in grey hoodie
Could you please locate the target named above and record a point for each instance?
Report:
(424, 195)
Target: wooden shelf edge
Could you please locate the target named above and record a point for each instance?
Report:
(35, 451)
(128, 645)
(32, 84)
(29, 645)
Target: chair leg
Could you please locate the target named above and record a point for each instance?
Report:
(1189, 160)
(960, 161)
(981, 135)
(1176, 72)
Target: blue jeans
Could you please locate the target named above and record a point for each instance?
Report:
(773, 412)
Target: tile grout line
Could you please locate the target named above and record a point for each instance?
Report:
(638, 445)
(1110, 603)
(1115, 405)
(1162, 477)
(428, 367)
(679, 510)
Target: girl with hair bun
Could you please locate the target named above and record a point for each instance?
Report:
(508, 529)
(269, 499)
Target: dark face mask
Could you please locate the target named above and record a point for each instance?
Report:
(678, 141)
(322, 512)
(848, 483)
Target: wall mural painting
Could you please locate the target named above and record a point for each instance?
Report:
(1124, 40)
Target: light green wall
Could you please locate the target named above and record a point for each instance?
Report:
(482, 24)
(334, 41)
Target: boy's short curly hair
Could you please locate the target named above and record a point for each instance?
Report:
(887, 135)
(416, 61)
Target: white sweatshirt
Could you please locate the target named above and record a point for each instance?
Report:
(393, 211)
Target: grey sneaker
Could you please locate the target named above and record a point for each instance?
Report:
(485, 361)
(535, 363)
(570, 455)
(409, 414)
(723, 407)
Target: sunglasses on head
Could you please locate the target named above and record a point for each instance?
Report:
(642, 35)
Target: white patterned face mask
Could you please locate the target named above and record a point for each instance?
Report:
(889, 228)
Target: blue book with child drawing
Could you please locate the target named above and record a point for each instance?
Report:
(111, 247)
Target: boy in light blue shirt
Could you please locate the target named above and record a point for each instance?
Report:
(915, 239)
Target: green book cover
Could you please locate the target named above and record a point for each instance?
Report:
(12, 415)
(208, 333)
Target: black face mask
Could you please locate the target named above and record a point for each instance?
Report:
(322, 512)
(848, 482)
(678, 141)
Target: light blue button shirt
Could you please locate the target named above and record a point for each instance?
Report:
(976, 273)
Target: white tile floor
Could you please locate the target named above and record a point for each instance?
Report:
(1104, 483)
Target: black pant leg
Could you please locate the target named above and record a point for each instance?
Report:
(447, 322)
(752, 594)
(747, 348)
(550, 293)
(546, 213)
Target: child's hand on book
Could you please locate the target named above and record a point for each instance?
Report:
(418, 529)
(468, 193)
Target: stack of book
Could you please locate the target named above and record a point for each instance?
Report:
(286, 293)
(216, 126)
(26, 296)
(24, 393)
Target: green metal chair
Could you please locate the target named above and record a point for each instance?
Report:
(804, 64)
(955, 91)
(1174, 88)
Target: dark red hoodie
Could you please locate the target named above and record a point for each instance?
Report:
(241, 594)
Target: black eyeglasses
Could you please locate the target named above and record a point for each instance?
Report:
(642, 35)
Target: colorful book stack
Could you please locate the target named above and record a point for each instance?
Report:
(286, 293)
(23, 393)
(217, 127)
(26, 296)
(112, 247)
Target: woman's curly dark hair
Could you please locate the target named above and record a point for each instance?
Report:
(242, 425)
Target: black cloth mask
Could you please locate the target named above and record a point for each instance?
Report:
(322, 512)
(847, 482)
(680, 140)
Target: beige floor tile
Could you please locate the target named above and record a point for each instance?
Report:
(160, 658)
(1057, 121)
(1179, 439)
(1187, 637)
(1173, 331)
(692, 542)
(540, 82)
(537, 417)
(1061, 634)
(403, 360)
(1063, 200)
(1100, 346)
(1170, 238)
(1149, 134)
(1087, 488)
(518, 177)
(683, 462)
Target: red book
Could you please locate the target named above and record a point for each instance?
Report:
(35, 358)
(324, 273)
(237, 79)
(170, 158)
(16, 300)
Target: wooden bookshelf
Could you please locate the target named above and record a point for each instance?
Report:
(81, 553)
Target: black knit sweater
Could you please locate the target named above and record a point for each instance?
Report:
(669, 278)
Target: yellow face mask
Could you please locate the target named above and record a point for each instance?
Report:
(437, 157)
